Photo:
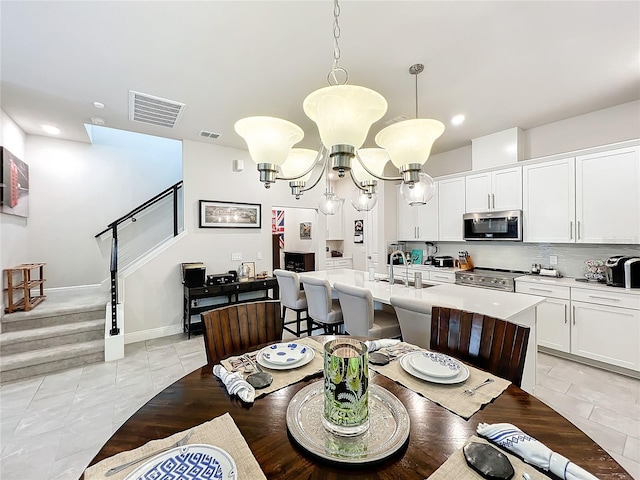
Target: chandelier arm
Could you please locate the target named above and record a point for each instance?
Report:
(318, 157)
(324, 166)
(387, 179)
(356, 182)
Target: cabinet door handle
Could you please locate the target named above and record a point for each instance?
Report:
(579, 234)
(574, 314)
(571, 230)
(565, 313)
(489, 201)
(540, 290)
(605, 298)
(493, 201)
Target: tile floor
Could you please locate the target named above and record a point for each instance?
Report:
(44, 421)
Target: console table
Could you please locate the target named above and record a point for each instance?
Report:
(25, 284)
(232, 293)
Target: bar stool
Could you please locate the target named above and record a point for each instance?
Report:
(293, 298)
(360, 316)
(323, 310)
(414, 317)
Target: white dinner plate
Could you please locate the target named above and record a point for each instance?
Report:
(435, 364)
(307, 357)
(405, 363)
(190, 462)
(284, 353)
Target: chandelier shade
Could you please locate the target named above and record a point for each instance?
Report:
(269, 139)
(298, 162)
(344, 113)
(374, 158)
(329, 203)
(363, 201)
(410, 141)
(420, 192)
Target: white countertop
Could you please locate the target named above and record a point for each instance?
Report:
(504, 305)
(573, 283)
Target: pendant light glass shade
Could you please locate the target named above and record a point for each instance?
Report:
(269, 139)
(420, 192)
(410, 141)
(363, 202)
(298, 162)
(374, 158)
(344, 113)
(329, 203)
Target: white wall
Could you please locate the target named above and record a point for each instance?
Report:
(153, 294)
(13, 229)
(293, 217)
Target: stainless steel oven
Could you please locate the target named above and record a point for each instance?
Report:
(503, 225)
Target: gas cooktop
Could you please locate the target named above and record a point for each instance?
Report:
(494, 278)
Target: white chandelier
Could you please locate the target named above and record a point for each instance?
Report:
(344, 114)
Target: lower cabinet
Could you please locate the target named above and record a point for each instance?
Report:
(607, 334)
(334, 264)
(602, 325)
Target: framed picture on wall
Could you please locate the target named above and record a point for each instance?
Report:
(358, 231)
(305, 230)
(14, 184)
(229, 214)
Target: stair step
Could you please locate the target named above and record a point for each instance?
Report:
(16, 322)
(28, 340)
(47, 360)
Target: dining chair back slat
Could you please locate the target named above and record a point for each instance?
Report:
(235, 328)
(492, 344)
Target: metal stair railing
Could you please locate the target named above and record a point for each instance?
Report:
(113, 228)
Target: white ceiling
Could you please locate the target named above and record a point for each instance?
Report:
(501, 63)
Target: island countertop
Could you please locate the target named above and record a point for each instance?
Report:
(499, 304)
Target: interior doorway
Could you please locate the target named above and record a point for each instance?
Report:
(295, 229)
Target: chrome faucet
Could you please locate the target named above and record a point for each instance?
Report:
(406, 266)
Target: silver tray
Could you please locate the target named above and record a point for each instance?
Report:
(387, 433)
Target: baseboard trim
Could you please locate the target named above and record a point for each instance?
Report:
(160, 332)
(593, 363)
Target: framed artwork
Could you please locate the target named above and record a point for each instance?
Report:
(251, 268)
(305, 230)
(14, 184)
(358, 231)
(229, 214)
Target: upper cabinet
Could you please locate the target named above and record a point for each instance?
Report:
(335, 225)
(451, 205)
(608, 197)
(418, 223)
(587, 199)
(496, 190)
(549, 202)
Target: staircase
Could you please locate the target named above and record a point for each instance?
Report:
(66, 330)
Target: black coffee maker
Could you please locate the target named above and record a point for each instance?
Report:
(614, 270)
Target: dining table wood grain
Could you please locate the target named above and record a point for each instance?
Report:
(435, 433)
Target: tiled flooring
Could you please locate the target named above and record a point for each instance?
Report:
(52, 426)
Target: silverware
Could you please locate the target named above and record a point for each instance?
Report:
(119, 468)
(472, 391)
(259, 379)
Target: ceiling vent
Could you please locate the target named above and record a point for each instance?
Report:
(146, 108)
(399, 118)
(204, 133)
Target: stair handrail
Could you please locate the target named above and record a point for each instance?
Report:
(113, 227)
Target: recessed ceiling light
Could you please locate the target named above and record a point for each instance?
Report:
(98, 104)
(97, 121)
(51, 130)
(457, 119)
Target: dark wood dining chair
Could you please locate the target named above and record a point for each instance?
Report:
(235, 328)
(494, 345)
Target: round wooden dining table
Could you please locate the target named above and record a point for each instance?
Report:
(435, 433)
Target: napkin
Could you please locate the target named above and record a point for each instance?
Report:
(532, 451)
(374, 345)
(236, 385)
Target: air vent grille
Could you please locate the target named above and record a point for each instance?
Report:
(204, 133)
(399, 118)
(146, 108)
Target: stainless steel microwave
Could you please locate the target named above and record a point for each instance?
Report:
(504, 225)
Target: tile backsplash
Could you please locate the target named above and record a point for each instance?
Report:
(520, 256)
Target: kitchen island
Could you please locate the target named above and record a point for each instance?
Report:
(513, 307)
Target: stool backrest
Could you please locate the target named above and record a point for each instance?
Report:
(357, 309)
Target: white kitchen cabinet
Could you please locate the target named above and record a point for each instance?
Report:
(554, 327)
(418, 222)
(451, 205)
(607, 334)
(608, 197)
(335, 225)
(337, 263)
(442, 277)
(548, 203)
(496, 190)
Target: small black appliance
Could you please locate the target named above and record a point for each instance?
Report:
(614, 270)
(632, 273)
(444, 261)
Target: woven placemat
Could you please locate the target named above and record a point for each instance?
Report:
(456, 466)
(220, 432)
(450, 397)
(282, 378)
